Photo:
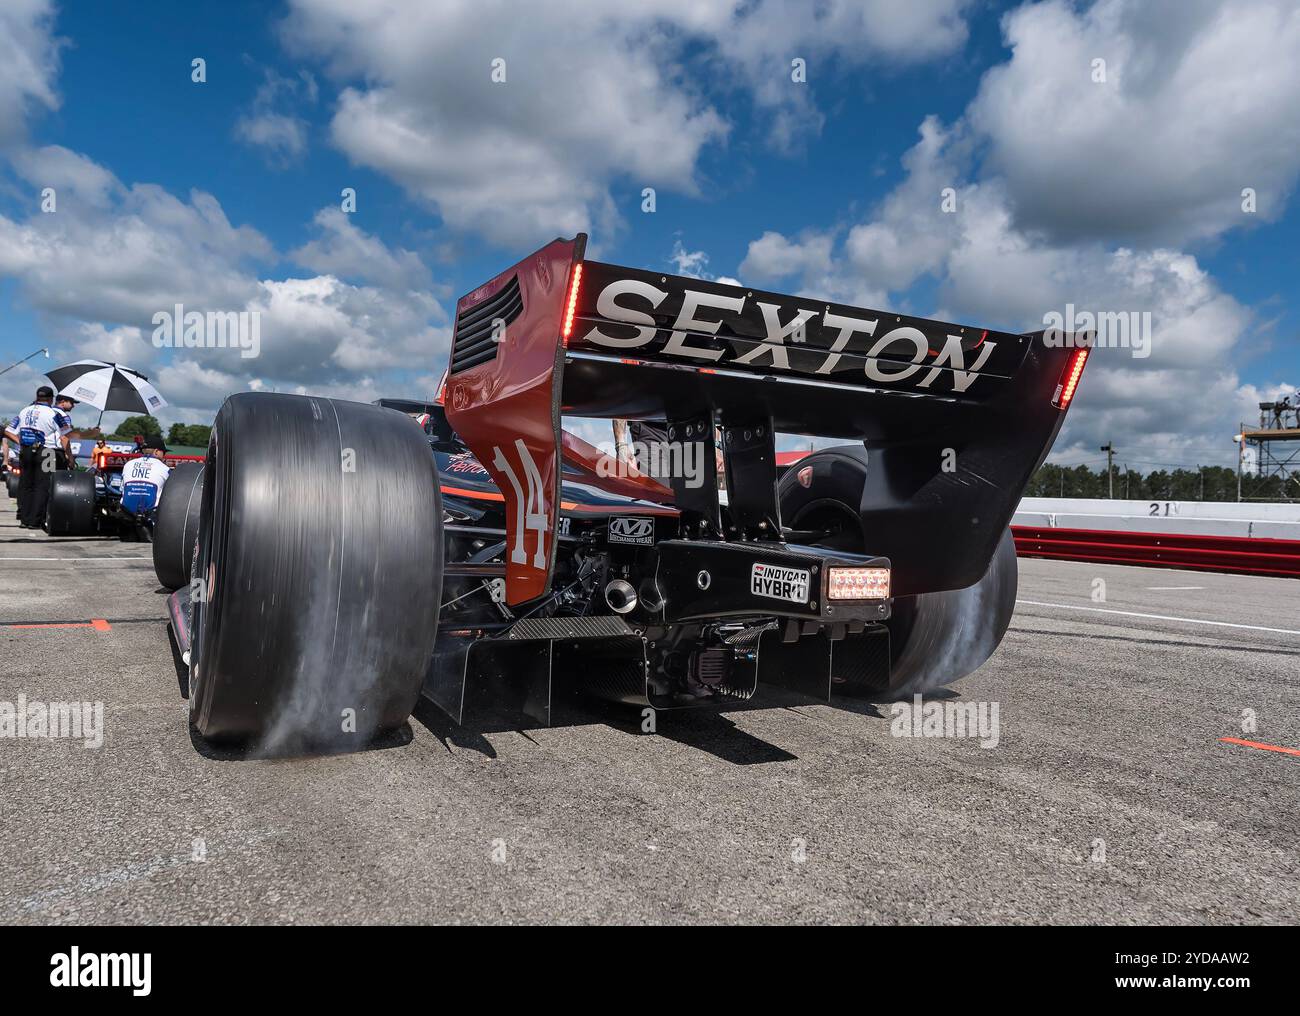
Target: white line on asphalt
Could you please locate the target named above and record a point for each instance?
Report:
(75, 560)
(1161, 589)
(1161, 617)
(137, 870)
(133, 872)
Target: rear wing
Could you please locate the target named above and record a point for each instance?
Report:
(955, 418)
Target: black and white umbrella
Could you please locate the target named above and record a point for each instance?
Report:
(109, 387)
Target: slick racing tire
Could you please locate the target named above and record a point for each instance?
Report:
(11, 483)
(821, 492)
(937, 638)
(934, 638)
(71, 507)
(317, 576)
(176, 527)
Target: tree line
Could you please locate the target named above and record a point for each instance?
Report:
(1208, 483)
(191, 435)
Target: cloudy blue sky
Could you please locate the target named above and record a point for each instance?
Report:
(1122, 194)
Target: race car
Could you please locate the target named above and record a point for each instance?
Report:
(344, 562)
(89, 502)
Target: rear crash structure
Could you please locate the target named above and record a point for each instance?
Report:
(360, 561)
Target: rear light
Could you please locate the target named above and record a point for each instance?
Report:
(1070, 377)
(572, 305)
(858, 584)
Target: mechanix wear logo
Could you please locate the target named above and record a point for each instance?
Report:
(632, 530)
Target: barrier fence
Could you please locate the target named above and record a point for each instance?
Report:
(1162, 550)
(1240, 538)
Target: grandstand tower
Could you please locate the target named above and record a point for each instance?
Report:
(1276, 442)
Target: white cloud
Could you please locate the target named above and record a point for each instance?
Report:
(280, 134)
(1176, 404)
(195, 390)
(284, 137)
(99, 269)
(808, 265)
(594, 92)
(772, 256)
(73, 177)
(123, 344)
(693, 264)
(18, 386)
(911, 231)
(119, 265)
(761, 39)
(345, 250)
(322, 329)
(1046, 220)
(1199, 102)
(29, 62)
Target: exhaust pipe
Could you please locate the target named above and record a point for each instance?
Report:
(620, 596)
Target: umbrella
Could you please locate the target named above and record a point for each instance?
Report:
(107, 387)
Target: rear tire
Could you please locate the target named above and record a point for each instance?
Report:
(937, 638)
(11, 484)
(934, 638)
(318, 605)
(71, 508)
(176, 528)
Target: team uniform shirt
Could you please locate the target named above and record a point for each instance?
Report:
(142, 483)
(39, 425)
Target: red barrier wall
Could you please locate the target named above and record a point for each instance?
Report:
(1242, 555)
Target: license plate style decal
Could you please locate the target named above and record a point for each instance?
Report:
(779, 583)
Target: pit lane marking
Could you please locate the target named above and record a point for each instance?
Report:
(1160, 617)
(1260, 745)
(98, 623)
